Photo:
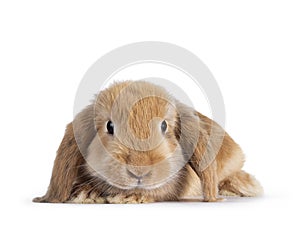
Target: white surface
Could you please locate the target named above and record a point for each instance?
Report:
(252, 48)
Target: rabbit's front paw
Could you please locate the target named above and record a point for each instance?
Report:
(128, 199)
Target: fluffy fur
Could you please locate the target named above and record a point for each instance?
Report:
(195, 157)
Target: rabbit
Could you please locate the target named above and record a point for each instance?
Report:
(135, 143)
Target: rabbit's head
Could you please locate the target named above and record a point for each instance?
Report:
(138, 128)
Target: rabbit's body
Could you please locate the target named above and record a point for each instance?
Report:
(137, 144)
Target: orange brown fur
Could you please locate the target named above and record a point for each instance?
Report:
(88, 172)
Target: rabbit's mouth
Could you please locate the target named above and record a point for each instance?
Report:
(140, 184)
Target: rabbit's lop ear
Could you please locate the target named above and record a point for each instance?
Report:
(201, 139)
(188, 130)
(69, 158)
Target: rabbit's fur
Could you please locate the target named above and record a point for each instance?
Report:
(140, 162)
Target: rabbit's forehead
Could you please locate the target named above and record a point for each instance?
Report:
(135, 103)
(146, 107)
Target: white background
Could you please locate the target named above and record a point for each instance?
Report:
(251, 47)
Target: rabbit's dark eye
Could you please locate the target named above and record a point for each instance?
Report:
(164, 126)
(110, 127)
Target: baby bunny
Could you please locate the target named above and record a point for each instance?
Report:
(136, 144)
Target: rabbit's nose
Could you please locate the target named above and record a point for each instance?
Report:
(139, 175)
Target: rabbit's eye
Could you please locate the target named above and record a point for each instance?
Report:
(164, 126)
(110, 127)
